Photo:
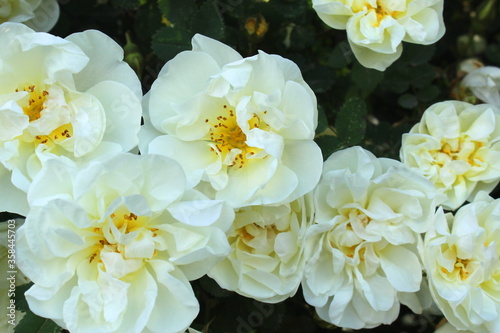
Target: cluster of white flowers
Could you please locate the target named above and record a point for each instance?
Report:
(377, 28)
(229, 183)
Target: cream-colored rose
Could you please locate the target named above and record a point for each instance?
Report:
(461, 257)
(267, 258)
(112, 247)
(243, 127)
(71, 98)
(40, 15)
(484, 82)
(457, 146)
(377, 28)
(363, 260)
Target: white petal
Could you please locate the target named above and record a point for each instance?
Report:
(106, 62)
(123, 113)
(402, 268)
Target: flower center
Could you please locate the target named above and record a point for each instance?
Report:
(228, 139)
(459, 269)
(117, 236)
(36, 101)
(458, 149)
(383, 9)
(255, 238)
(58, 135)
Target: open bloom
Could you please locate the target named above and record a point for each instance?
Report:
(364, 245)
(457, 146)
(461, 257)
(244, 127)
(267, 258)
(40, 15)
(70, 98)
(377, 28)
(112, 247)
(484, 82)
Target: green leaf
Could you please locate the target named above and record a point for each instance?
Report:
(178, 12)
(429, 93)
(415, 54)
(328, 145)
(365, 78)
(207, 21)
(168, 42)
(187, 20)
(322, 120)
(422, 75)
(408, 101)
(351, 122)
(341, 56)
(21, 303)
(34, 324)
(320, 78)
(126, 4)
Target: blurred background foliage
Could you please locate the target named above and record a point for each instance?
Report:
(357, 106)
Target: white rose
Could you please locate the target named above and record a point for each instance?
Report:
(377, 28)
(40, 15)
(461, 257)
(484, 82)
(457, 146)
(267, 258)
(112, 247)
(73, 98)
(244, 126)
(364, 246)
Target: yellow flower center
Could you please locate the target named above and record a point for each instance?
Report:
(36, 101)
(33, 109)
(459, 269)
(255, 238)
(463, 149)
(126, 222)
(226, 136)
(380, 11)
